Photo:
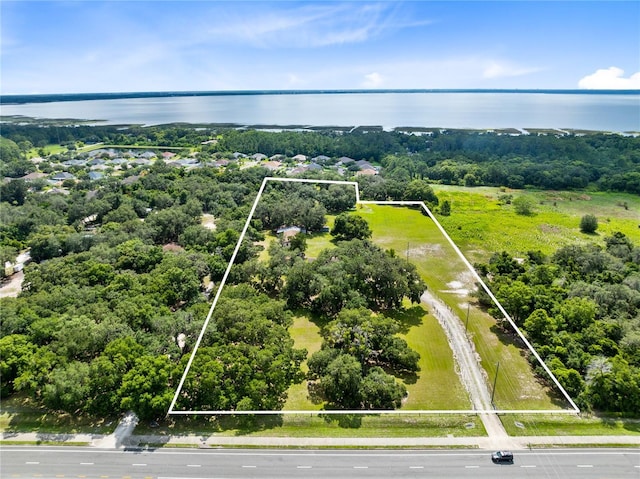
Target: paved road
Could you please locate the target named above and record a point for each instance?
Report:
(67, 462)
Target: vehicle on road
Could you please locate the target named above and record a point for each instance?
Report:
(502, 457)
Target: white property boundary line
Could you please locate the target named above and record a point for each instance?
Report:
(368, 411)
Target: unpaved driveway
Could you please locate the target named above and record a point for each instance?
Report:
(468, 365)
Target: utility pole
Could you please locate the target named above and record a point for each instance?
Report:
(495, 380)
(466, 324)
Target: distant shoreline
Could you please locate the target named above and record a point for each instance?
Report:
(62, 97)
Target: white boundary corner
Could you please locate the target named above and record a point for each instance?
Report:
(477, 277)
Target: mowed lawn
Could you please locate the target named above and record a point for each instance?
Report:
(415, 236)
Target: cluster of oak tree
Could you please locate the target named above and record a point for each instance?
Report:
(580, 308)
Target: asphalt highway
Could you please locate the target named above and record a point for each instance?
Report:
(69, 462)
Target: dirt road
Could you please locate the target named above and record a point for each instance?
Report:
(467, 361)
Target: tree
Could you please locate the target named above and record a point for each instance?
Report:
(588, 224)
(420, 190)
(445, 209)
(148, 387)
(347, 227)
(523, 205)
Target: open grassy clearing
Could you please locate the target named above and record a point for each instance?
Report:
(548, 425)
(436, 386)
(305, 334)
(52, 149)
(302, 425)
(411, 233)
(480, 225)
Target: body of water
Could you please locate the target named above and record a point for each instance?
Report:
(473, 110)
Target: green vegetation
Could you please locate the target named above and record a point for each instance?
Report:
(579, 308)
(305, 425)
(568, 425)
(123, 268)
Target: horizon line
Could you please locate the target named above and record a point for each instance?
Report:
(19, 98)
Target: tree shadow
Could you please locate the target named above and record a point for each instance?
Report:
(407, 317)
(345, 421)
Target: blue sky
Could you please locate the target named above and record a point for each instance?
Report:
(95, 46)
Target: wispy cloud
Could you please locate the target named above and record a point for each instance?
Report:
(611, 78)
(316, 25)
(502, 69)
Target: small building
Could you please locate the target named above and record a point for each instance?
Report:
(63, 176)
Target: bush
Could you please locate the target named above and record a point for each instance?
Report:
(588, 224)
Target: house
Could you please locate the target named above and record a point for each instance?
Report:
(277, 157)
(288, 232)
(365, 165)
(300, 158)
(314, 167)
(141, 162)
(147, 155)
(367, 172)
(33, 176)
(75, 162)
(167, 155)
(272, 165)
(259, 156)
(320, 159)
(63, 176)
(297, 170)
(103, 152)
(237, 155)
(221, 163)
(96, 161)
(95, 175)
(344, 160)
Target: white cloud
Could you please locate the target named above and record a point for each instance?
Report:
(373, 80)
(610, 79)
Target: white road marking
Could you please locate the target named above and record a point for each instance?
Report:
(86, 463)
(361, 467)
(138, 464)
(585, 465)
(32, 462)
(304, 467)
(249, 467)
(194, 465)
(471, 467)
(416, 467)
(529, 466)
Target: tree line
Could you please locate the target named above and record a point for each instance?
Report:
(609, 162)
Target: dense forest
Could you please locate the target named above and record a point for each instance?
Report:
(581, 310)
(123, 269)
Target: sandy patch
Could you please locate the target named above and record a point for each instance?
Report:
(13, 286)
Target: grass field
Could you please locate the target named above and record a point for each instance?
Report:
(545, 425)
(415, 236)
(480, 225)
(307, 425)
